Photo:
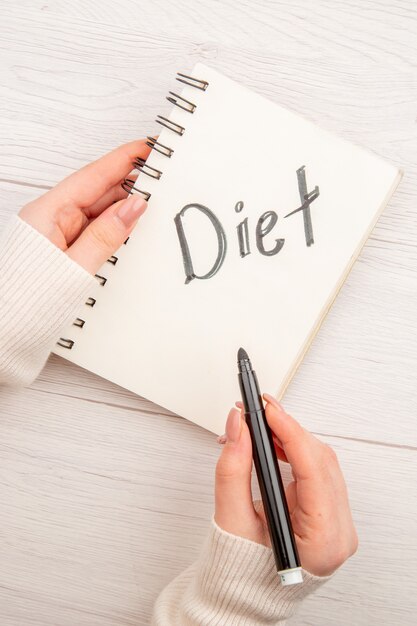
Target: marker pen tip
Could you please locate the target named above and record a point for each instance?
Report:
(242, 355)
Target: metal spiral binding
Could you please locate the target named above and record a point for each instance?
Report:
(159, 147)
(129, 185)
(101, 279)
(140, 164)
(164, 121)
(65, 343)
(181, 102)
(192, 82)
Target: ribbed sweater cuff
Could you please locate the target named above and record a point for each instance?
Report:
(41, 290)
(238, 580)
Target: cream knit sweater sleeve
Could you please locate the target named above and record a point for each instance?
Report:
(41, 290)
(234, 581)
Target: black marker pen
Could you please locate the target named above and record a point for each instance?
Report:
(269, 476)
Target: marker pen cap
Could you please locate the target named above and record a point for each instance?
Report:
(291, 576)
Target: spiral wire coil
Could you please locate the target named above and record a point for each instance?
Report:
(139, 164)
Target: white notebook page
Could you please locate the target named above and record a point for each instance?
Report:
(176, 343)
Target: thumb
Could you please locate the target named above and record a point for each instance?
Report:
(106, 233)
(234, 506)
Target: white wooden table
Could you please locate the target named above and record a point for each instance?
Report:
(104, 498)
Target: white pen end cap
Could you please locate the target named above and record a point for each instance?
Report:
(291, 576)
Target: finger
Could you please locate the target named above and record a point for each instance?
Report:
(279, 451)
(233, 477)
(277, 444)
(104, 235)
(114, 194)
(291, 496)
(303, 451)
(85, 187)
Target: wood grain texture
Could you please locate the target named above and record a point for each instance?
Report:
(105, 497)
(102, 507)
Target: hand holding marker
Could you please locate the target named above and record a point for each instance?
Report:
(317, 498)
(269, 476)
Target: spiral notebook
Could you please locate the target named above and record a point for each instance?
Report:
(255, 218)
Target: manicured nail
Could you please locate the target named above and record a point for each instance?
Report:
(222, 439)
(131, 209)
(273, 401)
(233, 426)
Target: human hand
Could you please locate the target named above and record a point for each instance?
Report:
(317, 497)
(87, 215)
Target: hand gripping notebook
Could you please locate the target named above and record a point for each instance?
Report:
(255, 218)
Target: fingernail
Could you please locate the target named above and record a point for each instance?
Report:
(131, 209)
(239, 404)
(273, 401)
(233, 426)
(222, 439)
